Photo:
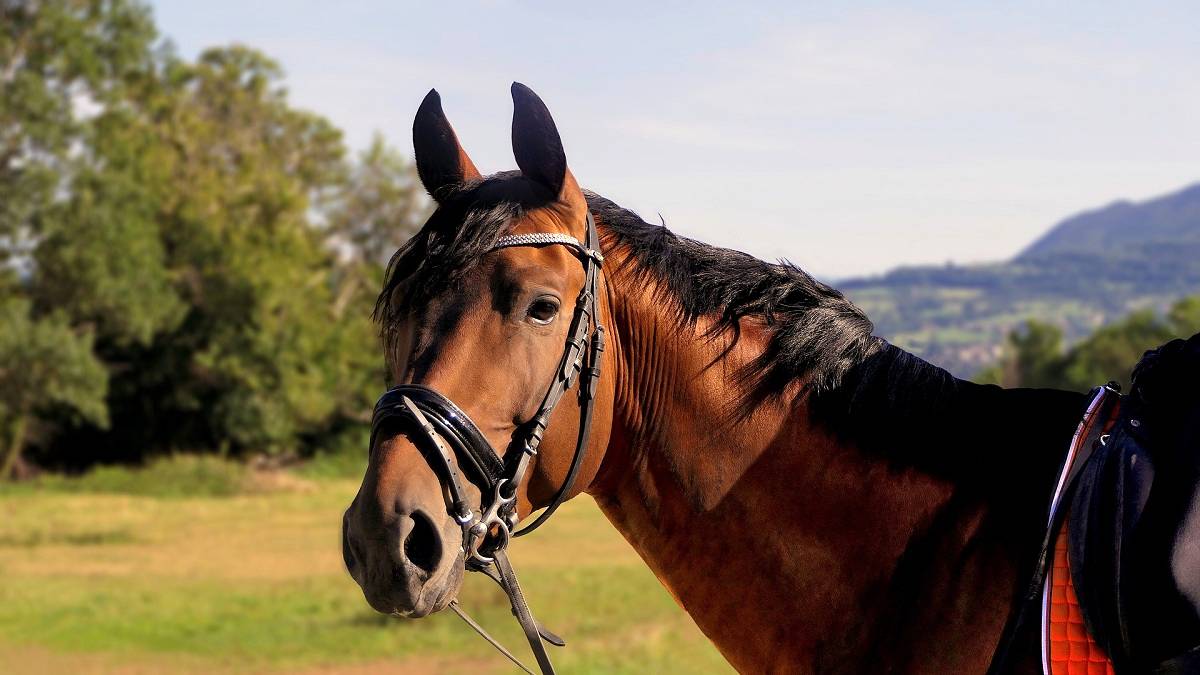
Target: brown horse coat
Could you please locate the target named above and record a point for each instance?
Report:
(817, 500)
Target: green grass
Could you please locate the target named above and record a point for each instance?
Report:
(347, 463)
(99, 581)
(178, 476)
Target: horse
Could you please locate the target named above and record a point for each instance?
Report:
(817, 499)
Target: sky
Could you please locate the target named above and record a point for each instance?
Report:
(849, 138)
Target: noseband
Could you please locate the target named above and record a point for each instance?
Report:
(486, 531)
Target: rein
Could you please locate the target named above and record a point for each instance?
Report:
(487, 531)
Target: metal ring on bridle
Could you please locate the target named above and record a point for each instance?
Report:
(496, 522)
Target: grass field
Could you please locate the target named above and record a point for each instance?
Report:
(109, 582)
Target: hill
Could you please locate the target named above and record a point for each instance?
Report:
(1087, 270)
(1171, 219)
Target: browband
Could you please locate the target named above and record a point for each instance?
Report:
(544, 238)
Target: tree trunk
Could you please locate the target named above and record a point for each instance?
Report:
(14, 446)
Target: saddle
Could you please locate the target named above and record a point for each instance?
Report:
(1118, 580)
(1134, 527)
(1127, 547)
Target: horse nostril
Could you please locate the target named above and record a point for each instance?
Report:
(422, 547)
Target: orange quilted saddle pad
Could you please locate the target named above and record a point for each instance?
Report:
(1072, 650)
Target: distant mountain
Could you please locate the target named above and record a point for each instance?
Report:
(1087, 270)
(1172, 219)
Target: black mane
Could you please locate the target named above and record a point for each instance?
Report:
(817, 335)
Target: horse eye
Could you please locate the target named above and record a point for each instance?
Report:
(542, 311)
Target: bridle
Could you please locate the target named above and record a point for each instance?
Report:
(486, 531)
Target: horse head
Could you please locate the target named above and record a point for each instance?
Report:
(476, 311)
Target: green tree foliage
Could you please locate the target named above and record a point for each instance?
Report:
(213, 239)
(377, 210)
(43, 364)
(381, 206)
(1184, 316)
(1036, 357)
(56, 56)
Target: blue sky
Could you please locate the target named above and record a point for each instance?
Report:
(848, 139)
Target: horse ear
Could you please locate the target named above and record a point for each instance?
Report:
(441, 162)
(536, 143)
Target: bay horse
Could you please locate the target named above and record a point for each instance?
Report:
(817, 499)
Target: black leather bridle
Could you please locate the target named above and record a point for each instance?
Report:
(487, 530)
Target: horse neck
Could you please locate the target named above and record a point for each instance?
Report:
(799, 536)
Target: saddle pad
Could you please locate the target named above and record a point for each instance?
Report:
(1072, 649)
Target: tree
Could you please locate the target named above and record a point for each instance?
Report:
(55, 56)
(43, 364)
(204, 241)
(1034, 360)
(380, 206)
(58, 59)
(1111, 352)
(1036, 357)
(1184, 316)
(188, 242)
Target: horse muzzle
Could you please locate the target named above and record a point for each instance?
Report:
(404, 553)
